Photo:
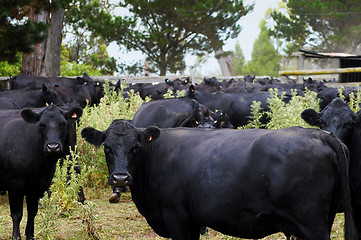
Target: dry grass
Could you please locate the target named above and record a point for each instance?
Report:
(114, 221)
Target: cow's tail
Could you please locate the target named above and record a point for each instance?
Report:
(343, 159)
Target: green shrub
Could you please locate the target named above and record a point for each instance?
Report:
(283, 115)
(76, 69)
(355, 100)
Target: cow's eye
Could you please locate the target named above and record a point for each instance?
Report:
(134, 150)
(349, 124)
(107, 149)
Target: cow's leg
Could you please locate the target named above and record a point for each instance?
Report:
(32, 205)
(180, 227)
(16, 210)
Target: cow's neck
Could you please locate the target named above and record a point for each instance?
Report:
(209, 99)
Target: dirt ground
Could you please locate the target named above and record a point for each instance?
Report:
(112, 221)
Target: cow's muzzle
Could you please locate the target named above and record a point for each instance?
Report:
(120, 180)
(53, 147)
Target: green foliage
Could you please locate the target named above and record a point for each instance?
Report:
(47, 217)
(89, 217)
(265, 59)
(87, 52)
(325, 25)
(75, 69)
(171, 94)
(165, 31)
(340, 92)
(63, 200)
(8, 70)
(256, 115)
(112, 106)
(17, 35)
(238, 60)
(355, 100)
(283, 115)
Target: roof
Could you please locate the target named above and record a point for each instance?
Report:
(328, 55)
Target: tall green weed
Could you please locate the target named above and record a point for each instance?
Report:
(355, 100)
(63, 200)
(283, 115)
(256, 116)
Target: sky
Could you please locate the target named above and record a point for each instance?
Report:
(250, 31)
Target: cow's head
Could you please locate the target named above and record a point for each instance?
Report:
(52, 124)
(337, 117)
(122, 143)
(50, 95)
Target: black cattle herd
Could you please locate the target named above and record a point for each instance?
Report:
(184, 161)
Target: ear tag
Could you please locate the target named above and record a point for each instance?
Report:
(74, 115)
(149, 138)
(192, 90)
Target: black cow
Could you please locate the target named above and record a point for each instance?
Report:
(236, 105)
(78, 93)
(155, 91)
(8, 103)
(243, 183)
(30, 146)
(169, 113)
(35, 82)
(338, 118)
(33, 98)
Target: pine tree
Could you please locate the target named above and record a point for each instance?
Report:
(265, 58)
(238, 60)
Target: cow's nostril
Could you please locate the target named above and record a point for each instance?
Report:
(121, 180)
(53, 147)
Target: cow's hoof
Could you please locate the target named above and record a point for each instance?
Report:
(114, 198)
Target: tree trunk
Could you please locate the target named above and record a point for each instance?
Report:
(225, 62)
(51, 67)
(45, 60)
(32, 63)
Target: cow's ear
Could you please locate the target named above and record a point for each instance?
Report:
(44, 87)
(168, 82)
(311, 117)
(30, 116)
(74, 113)
(93, 136)
(151, 133)
(191, 89)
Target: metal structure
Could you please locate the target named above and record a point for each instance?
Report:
(349, 71)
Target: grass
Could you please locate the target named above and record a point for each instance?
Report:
(114, 221)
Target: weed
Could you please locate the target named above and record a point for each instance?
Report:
(256, 116)
(283, 115)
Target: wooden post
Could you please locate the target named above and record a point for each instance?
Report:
(301, 59)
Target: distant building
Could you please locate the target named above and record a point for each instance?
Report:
(330, 61)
